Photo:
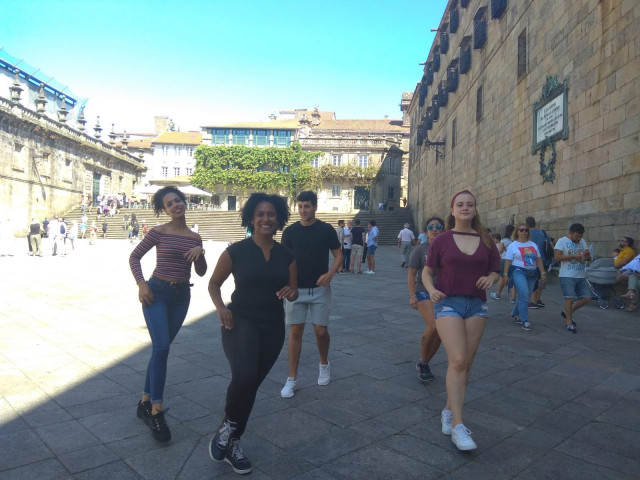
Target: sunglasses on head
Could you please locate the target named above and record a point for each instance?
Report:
(437, 227)
(523, 229)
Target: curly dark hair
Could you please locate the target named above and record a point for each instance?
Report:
(158, 197)
(279, 203)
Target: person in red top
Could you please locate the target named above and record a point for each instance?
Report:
(165, 296)
(468, 263)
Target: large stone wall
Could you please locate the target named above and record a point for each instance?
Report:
(593, 44)
(46, 166)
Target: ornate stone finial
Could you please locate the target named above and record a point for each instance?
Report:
(41, 101)
(315, 116)
(15, 89)
(172, 126)
(125, 142)
(62, 111)
(112, 136)
(141, 152)
(97, 128)
(81, 120)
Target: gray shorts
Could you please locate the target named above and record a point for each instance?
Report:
(316, 301)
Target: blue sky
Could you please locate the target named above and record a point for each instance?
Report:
(202, 62)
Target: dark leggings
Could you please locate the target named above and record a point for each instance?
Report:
(251, 348)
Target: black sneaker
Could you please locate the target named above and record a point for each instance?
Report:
(220, 440)
(144, 411)
(516, 319)
(572, 328)
(159, 427)
(424, 372)
(563, 315)
(234, 456)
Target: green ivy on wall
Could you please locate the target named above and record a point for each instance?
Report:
(275, 170)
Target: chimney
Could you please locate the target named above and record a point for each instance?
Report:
(162, 124)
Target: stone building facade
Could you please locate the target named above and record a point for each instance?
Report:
(382, 143)
(45, 166)
(494, 67)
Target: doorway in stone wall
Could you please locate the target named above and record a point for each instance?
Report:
(361, 198)
(95, 190)
(231, 202)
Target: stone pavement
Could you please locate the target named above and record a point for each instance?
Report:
(74, 348)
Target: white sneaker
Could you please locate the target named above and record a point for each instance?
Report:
(370, 272)
(461, 438)
(445, 418)
(289, 387)
(325, 374)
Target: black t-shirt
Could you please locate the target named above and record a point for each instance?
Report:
(34, 229)
(257, 280)
(310, 246)
(104, 226)
(356, 235)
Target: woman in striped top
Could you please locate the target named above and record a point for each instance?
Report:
(165, 297)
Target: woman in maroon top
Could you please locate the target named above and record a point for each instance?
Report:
(165, 296)
(468, 263)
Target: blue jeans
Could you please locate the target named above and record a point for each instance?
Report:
(524, 282)
(164, 318)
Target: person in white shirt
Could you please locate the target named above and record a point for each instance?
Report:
(346, 248)
(406, 239)
(572, 253)
(340, 233)
(525, 257)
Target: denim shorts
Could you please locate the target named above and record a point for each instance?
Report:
(574, 287)
(421, 296)
(463, 306)
(371, 249)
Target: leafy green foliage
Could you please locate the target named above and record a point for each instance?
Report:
(276, 170)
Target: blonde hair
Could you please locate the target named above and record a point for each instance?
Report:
(514, 235)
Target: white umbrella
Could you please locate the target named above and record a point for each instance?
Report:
(148, 190)
(191, 190)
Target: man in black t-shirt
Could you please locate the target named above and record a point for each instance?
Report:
(310, 240)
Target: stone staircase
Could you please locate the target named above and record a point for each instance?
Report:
(225, 226)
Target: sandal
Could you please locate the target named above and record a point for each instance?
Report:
(631, 308)
(630, 295)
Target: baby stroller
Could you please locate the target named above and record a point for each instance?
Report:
(601, 277)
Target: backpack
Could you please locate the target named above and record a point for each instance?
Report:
(63, 228)
(548, 249)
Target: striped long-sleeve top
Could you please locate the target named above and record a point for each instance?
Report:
(170, 250)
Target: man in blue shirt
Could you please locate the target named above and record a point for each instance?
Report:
(540, 238)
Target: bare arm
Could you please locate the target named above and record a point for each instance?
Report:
(220, 273)
(325, 279)
(290, 292)
(411, 282)
(427, 280)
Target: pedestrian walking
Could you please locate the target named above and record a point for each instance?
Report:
(572, 253)
(528, 267)
(406, 239)
(468, 263)
(420, 300)
(310, 240)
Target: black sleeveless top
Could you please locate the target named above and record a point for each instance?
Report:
(257, 281)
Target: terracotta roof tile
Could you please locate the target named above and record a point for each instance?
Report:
(369, 125)
(179, 138)
(269, 124)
